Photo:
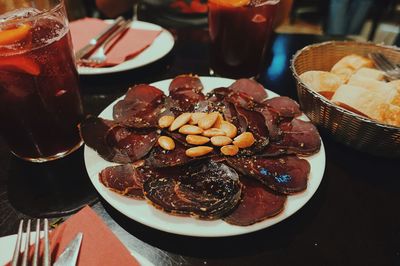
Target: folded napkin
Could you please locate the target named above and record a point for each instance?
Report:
(99, 245)
(132, 43)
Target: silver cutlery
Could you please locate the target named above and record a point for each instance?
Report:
(71, 252)
(67, 258)
(26, 236)
(99, 39)
(99, 56)
(391, 70)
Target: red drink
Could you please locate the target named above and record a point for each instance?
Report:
(40, 104)
(239, 36)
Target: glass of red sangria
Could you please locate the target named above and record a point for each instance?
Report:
(40, 102)
(240, 31)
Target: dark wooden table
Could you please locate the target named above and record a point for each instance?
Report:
(353, 219)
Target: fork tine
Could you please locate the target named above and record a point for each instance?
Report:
(37, 237)
(27, 242)
(386, 61)
(17, 247)
(377, 61)
(46, 255)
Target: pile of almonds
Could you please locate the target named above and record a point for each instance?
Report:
(201, 128)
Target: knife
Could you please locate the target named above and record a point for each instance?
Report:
(96, 41)
(70, 254)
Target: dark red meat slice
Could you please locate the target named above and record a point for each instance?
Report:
(231, 115)
(132, 144)
(241, 99)
(186, 99)
(205, 192)
(257, 204)
(114, 142)
(256, 125)
(161, 158)
(218, 94)
(140, 108)
(145, 93)
(285, 175)
(285, 107)
(251, 88)
(124, 179)
(186, 82)
(271, 121)
(299, 137)
(136, 113)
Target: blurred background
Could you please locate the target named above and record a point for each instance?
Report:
(366, 20)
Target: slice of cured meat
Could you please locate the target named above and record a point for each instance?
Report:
(145, 93)
(131, 145)
(285, 107)
(285, 175)
(257, 204)
(206, 192)
(125, 179)
(251, 88)
(298, 137)
(140, 108)
(186, 99)
(218, 94)
(271, 121)
(162, 158)
(186, 82)
(231, 115)
(116, 143)
(136, 114)
(256, 125)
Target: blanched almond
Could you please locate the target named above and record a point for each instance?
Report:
(180, 121)
(165, 121)
(244, 140)
(208, 121)
(198, 151)
(166, 143)
(218, 122)
(213, 132)
(196, 117)
(230, 150)
(190, 130)
(221, 140)
(196, 140)
(229, 128)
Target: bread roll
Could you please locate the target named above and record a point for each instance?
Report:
(348, 65)
(372, 84)
(321, 80)
(396, 85)
(390, 114)
(371, 73)
(361, 100)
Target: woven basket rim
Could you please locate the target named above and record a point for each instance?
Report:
(325, 100)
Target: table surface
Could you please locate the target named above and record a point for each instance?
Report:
(353, 219)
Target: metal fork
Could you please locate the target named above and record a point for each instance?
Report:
(391, 70)
(99, 56)
(27, 235)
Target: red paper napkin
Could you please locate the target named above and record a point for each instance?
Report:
(132, 43)
(99, 245)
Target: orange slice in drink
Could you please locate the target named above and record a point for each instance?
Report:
(14, 35)
(230, 3)
(20, 64)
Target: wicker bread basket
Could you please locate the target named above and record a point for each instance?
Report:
(344, 126)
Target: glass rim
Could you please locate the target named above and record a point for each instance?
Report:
(59, 6)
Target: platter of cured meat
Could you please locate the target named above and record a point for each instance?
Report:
(204, 156)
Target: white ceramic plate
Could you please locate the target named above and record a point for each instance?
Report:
(161, 46)
(144, 213)
(7, 244)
